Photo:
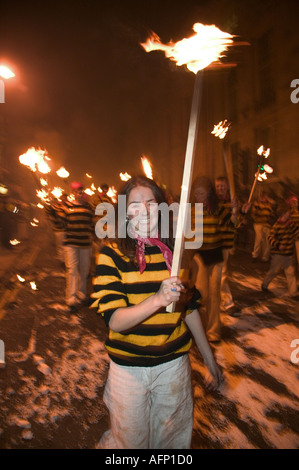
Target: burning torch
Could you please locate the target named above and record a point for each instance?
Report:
(262, 170)
(220, 130)
(202, 50)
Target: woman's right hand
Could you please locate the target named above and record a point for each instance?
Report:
(170, 291)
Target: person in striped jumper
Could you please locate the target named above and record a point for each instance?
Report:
(228, 239)
(78, 219)
(52, 208)
(292, 201)
(148, 391)
(262, 213)
(282, 241)
(208, 259)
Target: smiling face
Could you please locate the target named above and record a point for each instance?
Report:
(142, 211)
(221, 189)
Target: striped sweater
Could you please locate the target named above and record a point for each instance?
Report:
(78, 220)
(262, 213)
(161, 337)
(52, 210)
(227, 228)
(283, 233)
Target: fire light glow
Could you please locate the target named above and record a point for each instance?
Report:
(35, 160)
(147, 167)
(197, 52)
(220, 129)
(62, 172)
(125, 176)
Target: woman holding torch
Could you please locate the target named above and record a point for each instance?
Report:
(148, 391)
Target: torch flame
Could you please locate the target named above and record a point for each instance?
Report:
(42, 194)
(125, 176)
(62, 172)
(43, 182)
(21, 279)
(33, 285)
(147, 168)
(57, 192)
(221, 129)
(34, 222)
(35, 160)
(89, 191)
(196, 52)
(88, 176)
(14, 242)
(262, 151)
(112, 193)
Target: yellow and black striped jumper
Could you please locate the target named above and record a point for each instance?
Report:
(282, 240)
(118, 283)
(78, 220)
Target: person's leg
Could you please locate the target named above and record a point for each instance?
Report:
(127, 397)
(257, 240)
(84, 267)
(267, 246)
(171, 420)
(214, 323)
(275, 267)
(72, 273)
(226, 295)
(290, 273)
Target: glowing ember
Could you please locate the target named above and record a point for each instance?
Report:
(21, 279)
(57, 192)
(92, 187)
(35, 160)
(34, 222)
(221, 129)
(39, 205)
(14, 242)
(88, 176)
(125, 176)
(147, 167)
(3, 189)
(43, 182)
(62, 173)
(33, 285)
(268, 168)
(197, 52)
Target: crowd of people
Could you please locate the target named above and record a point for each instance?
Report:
(148, 391)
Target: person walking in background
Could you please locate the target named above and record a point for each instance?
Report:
(262, 213)
(77, 217)
(207, 261)
(228, 238)
(282, 241)
(292, 201)
(52, 209)
(148, 392)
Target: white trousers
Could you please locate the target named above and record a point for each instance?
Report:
(77, 262)
(207, 280)
(59, 239)
(150, 407)
(226, 295)
(261, 243)
(286, 263)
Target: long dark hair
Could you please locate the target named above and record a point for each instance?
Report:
(206, 183)
(127, 245)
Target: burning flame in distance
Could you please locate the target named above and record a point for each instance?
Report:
(62, 172)
(147, 167)
(220, 129)
(125, 176)
(197, 52)
(35, 160)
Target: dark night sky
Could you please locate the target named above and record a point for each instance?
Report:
(84, 88)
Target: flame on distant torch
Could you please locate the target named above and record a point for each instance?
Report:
(62, 172)
(125, 176)
(89, 191)
(34, 222)
(35, 160)
(43, 182)
(14, 242)
(57, 192)
(21, 279)
(112, 193)
(220, 129)
(197, 52)
(147, 167)
(42, 194)
(262, 151)
(33, 285)
(88, 176)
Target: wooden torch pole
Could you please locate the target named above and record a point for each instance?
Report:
(187, 179)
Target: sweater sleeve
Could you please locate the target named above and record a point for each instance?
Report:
(109, 291)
